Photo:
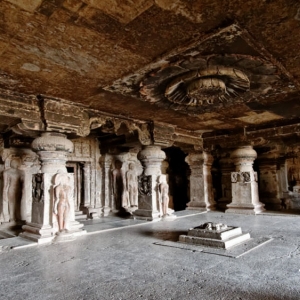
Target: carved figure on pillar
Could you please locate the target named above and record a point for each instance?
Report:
(12, 192)
(118, 186)
(62, 196)
(132, 185)
(163, 195)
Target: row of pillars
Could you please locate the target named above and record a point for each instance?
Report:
(244, 186)
(53, 148)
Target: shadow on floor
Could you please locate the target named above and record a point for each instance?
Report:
(163, 235)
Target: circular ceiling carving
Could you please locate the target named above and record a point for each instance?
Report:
(216, 81)
(201, 83)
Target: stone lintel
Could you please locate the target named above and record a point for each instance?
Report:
(163, 134)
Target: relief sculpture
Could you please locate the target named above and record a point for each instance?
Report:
(63, 194)
(132, 185)
(145, 185)
(37, 188)
(12, 192)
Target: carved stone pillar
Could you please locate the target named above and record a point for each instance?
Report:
(87, 184)
(151, 158)
(269, 181)
(245, 197)
(208, 185)
(29, 167)
(106, 161)
(201, 190)
(283, 178)
(52, 149)
(227, 167)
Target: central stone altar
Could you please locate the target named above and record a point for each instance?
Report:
(215, 235)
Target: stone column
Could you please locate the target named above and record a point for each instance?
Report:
(87, 184)
(208, 185)
(106, 161)
(283, 179)
(29, 167)
(52, 149)
(151, 158)
(269, 182)
(245, 197)
(201, 190)
(227, 167)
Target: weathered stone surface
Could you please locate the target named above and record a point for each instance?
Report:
(215, 235)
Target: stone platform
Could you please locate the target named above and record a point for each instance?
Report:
(215, 235)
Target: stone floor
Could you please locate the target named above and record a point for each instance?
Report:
(128, 259)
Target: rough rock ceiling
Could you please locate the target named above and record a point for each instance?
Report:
(201, 65)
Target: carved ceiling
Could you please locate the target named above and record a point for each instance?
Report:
(218, 71)
(203, 66)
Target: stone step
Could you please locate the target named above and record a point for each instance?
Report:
(79, 215)
(226, 243)
(214, 235)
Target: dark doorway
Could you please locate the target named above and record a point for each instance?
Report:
(178, 172)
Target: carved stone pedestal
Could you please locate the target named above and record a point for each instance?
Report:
(245, 197)
(53, 207)
(201, 192)
(215, 235)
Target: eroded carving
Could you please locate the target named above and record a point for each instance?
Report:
(37, 188)
(12, 192)
(132, 185)
(212, 226)
(145, 185)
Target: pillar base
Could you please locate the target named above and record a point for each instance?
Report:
(246, 209)
(147, 215)
(94, 213)
(41, 234)
(193, 205)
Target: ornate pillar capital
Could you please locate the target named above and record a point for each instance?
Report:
(53, 149)
(151, 158)
(243, 158)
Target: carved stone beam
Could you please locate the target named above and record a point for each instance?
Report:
(251, 137)
(163, 134)
(187, 138)
(21, 112)
(65, 117)
(134, 131)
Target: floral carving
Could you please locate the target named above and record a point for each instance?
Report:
(216, 81)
